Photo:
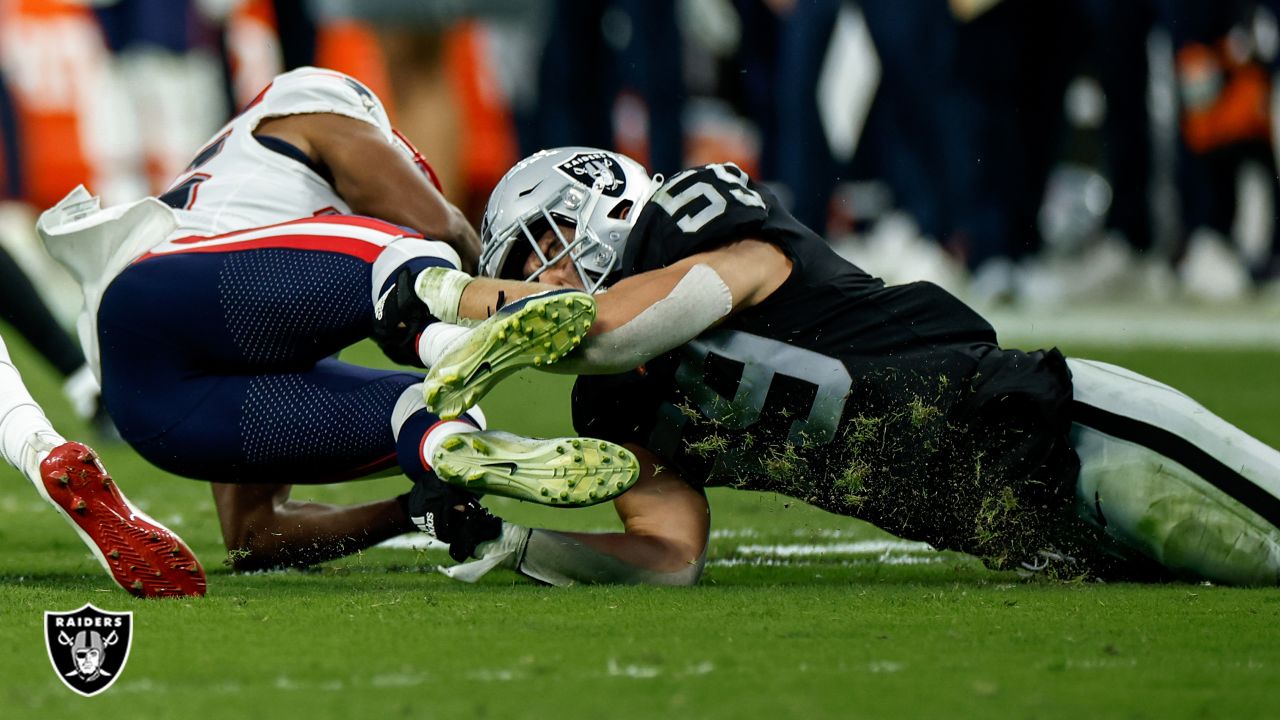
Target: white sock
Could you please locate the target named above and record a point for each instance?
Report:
(440, 432)
(26, 436)
(436, 340)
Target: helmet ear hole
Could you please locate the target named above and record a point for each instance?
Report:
(621, 210)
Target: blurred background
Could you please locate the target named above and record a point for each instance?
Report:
(1023, 153)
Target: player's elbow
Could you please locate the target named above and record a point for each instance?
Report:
(253, 546)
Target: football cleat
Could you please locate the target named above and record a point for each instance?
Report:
(141, 555)
(564, 472)
(534, 331)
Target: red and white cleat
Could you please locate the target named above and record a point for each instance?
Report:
(144, 557)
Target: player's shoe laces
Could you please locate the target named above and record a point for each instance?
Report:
(141, 555)
(565, 472)
(534, 331)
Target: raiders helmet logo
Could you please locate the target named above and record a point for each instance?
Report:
(590, 168)
(88, 647)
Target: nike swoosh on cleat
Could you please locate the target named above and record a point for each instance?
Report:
(481, 369)
(510, 467)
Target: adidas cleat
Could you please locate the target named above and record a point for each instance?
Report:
(565, 472)
(532, 332)
(141, 555)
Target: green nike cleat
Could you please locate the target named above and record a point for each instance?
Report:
(565, 472)
(532, 332)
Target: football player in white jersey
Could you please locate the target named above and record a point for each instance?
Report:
(141, 555)
(213, 314)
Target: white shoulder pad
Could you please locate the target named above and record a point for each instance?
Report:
(316, 90)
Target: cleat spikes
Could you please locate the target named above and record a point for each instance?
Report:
(548, 472)
(453, 442)
(82, 491)
(535, 331)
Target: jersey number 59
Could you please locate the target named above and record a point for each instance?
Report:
(696, 204)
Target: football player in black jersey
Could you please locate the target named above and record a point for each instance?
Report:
(733, 347)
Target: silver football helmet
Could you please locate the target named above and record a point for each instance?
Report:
(596, 192)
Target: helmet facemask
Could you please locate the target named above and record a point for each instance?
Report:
(540, 195)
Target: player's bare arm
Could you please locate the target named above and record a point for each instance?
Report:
(262, 528)
(665, 520)
(376, 178)
(750, 269)
(665, 529)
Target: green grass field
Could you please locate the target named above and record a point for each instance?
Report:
(800, 613)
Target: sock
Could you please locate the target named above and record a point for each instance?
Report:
(441, 431)
(26, 436)
(436, 340)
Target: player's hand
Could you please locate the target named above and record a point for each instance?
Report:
(453, 516)
(398, 317)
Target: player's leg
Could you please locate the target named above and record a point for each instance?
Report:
(22, 307)
(140, 554)
(1167, 478)
(561, 472)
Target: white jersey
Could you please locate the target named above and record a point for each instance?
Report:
(234, 183)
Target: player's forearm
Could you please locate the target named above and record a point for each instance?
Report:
(623, 339)
(423, 210)
(298, 534)
(579, 558)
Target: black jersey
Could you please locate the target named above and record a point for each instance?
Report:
(890, 403)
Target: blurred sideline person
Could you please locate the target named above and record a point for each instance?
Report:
(214, 313)
(141, 555)
(732, 347)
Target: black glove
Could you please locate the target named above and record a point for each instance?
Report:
(451, 515)
(398, 317)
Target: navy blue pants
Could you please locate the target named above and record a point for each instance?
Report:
(218, 365)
